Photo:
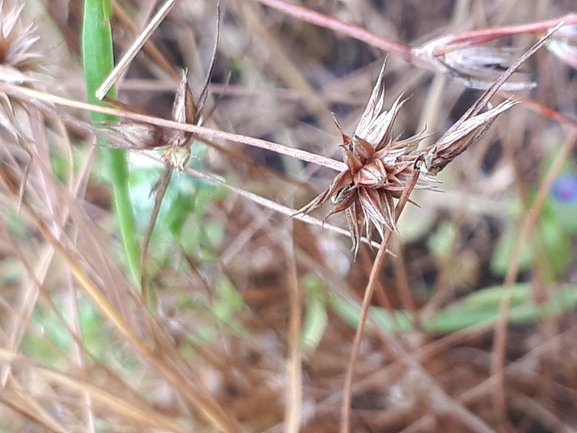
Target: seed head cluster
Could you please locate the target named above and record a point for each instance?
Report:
(17, 59)
(380, 167)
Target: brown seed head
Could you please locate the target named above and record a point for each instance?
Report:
(378, 169)
(175, 143)
(16, 41)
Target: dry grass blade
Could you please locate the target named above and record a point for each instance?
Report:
(137, 410)
(18, 398)
(191, 389)
(149, 47)
(33, 96)
(134, 49)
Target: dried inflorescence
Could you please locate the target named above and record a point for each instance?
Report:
(18, 62)
(469, 58)
(175, 143)
(563, 44)
(380, 167)
(477, 66)
(17, 59)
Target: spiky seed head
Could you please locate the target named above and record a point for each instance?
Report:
(380, 167)
(377, 169)
(17, 59)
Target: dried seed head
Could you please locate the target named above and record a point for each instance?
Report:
(462, 135)
(563, 44)
(175, 143)
(183, 111)
(16, 41)
(476, 66)
(378, 169)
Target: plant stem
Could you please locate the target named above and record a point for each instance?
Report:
(98, 61)
(327, 22)
(345, 426)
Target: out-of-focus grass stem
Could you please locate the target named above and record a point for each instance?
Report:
(98, 61)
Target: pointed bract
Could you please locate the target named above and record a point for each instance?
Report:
(380, 167)
(17, 59)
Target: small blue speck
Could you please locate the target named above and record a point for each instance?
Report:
(565, 187)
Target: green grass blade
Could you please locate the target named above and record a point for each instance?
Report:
(98, 61)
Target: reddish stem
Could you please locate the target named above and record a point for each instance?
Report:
(327, 22)
(485, 35)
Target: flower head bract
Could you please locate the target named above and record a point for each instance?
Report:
(380, 166)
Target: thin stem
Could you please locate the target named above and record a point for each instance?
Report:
(327, 22)
(293, 410)
(541, 109)
(485, 35)
(529, 223)
(370, 289)
(29, 95)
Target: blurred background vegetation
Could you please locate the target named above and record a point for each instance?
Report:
(210, 349)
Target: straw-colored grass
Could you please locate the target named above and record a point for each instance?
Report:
(249, 323)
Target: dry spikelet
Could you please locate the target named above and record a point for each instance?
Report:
(477, 66)
(563, 44)
(184, 110)
(379, 166)
(175, 143)
(17, 59)
(462, 135)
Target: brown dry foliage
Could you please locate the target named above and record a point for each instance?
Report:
(177, 365)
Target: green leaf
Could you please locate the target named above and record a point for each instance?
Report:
(229, 301)
(316, 319)
(442, 240)
(98, 61)
(503, 254)
(482, 308)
